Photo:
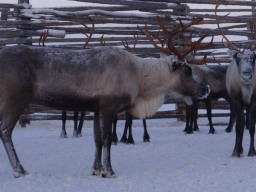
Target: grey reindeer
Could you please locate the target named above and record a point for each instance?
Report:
(240, 83)
(102, 80)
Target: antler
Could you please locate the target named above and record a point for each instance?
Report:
(230, 45)
(102, 41)
(171, 49)
(43, 37)
(135, 43)
(89, 29)
(151, 39)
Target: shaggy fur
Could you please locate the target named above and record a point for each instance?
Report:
(102, 80)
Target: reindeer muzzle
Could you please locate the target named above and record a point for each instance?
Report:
(203, 91)
(247, 76)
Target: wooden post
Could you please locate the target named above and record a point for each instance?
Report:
(4, 14)
(23, 1)
(251, 25)
(21, 26)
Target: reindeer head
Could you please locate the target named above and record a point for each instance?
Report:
(187, 83)
(186, 80)
(245, 62)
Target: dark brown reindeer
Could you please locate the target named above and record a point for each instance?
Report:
(240, 83)
(215, 77)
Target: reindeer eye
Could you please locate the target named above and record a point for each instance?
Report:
(175, 66)
(187, 70)
(238, 60)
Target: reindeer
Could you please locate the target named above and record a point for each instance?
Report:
(184, 52)
(215, 77)
(102, 80)
(77, 129)
(240, 84)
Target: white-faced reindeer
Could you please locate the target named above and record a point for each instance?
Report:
(241, 87)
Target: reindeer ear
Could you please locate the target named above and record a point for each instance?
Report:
(175, 65)
(232, 53)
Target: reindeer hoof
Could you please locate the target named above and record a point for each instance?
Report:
(130, 141)
(146, 140)
(20, 173)
(189, 131)
(96, 172)
(110, 174)
(212, 131)
(196, 129)
(63, 135)
(252, 153)
(228, 130)
(123, 140)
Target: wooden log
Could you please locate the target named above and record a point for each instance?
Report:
(16, 6)
(214, 2)
(139, 4)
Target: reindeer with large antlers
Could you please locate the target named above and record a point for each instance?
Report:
(103, 80)
(214, 76)
(240, 83)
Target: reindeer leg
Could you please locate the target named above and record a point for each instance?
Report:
(75, 133)
(238, 150)
(247, 125)
(124, 137)
(130, 137)
(209, 114)
(188, 129)
(232, 119)
(114, 135)
(97, 165)
(251, 121)
(194, 115)
(80, 126)
(7, 123)
(63, 133)
(106, 137)
(146, 137)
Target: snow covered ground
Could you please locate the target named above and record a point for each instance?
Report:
(172, 161)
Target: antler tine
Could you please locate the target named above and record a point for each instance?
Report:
(180, 28)
(197, 45)
(102, 42)
(90, 29)
(43, 37)
(201, 62)
(220, 30)
(171, 49)
(161, 41)
(135, 43)
(152, 40)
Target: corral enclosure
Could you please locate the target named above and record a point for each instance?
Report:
(115, 23)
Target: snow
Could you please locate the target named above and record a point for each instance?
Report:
(171, 161)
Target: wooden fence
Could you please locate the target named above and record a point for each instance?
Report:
(117, 24)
